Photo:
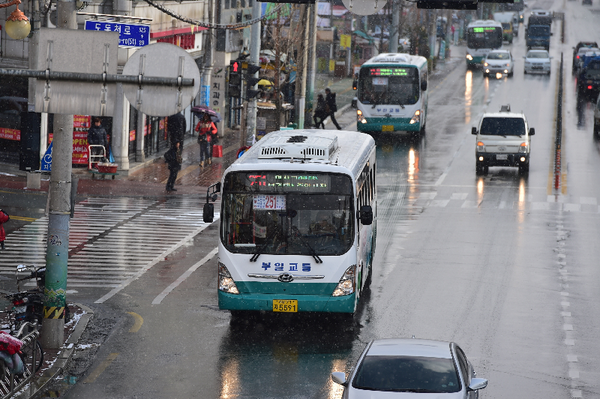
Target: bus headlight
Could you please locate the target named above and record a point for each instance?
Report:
(346, 286)
(416, 117)
(469, 57)
(360, 117)
(226, 283)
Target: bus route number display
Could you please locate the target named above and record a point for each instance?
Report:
(482, 30)
(288, 182)
(388, 72)
(269, 202)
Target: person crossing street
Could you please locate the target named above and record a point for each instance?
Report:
(331, 107)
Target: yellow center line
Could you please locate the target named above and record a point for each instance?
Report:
(100, 369)
(23, 218)
(139, 320)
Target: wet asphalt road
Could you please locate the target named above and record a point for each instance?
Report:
(503, 264)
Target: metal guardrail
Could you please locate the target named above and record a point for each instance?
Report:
(10, 383)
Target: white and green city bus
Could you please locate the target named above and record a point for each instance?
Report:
(392, 94)
(274, 253)
(482, 37)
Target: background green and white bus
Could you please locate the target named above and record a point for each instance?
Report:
(392, 94)
(274, 253)
(482, 37)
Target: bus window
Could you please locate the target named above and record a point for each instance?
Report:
(388, 85)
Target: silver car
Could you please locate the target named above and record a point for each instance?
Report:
(410, 369)
(498, 61)
(538, 61)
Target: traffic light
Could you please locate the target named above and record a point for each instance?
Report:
(251, 81)
(235, 79)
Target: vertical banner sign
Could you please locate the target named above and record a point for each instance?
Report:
(81, 125)
(217, 101)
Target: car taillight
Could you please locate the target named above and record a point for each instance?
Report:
(19, 302)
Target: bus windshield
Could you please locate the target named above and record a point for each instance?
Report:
(283, 212)
(388, 85)
(484, 37)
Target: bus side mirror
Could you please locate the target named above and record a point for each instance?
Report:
(424, 85)
(365, 215)
(474, 130)
(355, 84)
(208, 210)
(354, 103)
(531, 131)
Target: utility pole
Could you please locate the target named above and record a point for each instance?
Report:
(393, 46)
(208, 59)
(312, 58)
(301, 91)
(57, 252)
(254, 59)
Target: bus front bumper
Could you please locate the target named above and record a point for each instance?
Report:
(306, 303)
(387, 125)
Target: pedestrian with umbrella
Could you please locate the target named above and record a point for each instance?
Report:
(207, 133)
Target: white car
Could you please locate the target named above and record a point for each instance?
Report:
(498, 61)
(537, 61)
(411, 369)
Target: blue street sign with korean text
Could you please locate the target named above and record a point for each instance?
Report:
(130, 35)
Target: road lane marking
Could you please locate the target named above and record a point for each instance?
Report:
(139, 320)
(156, 260)
(23, 218)
(182, 278)
(100, 369)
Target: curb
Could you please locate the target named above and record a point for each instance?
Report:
(38, 386)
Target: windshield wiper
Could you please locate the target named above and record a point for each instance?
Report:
(264, 246)
(307, 245)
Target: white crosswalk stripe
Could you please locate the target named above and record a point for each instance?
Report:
(432, 199)
(110, 240)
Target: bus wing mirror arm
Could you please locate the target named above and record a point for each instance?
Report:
(365, 214)
(208, 210)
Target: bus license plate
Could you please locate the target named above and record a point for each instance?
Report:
(387, 128)
(285, 305)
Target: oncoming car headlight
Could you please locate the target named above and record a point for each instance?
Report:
(226, 283)
(486, 64)
(469, 57)
(416, 117)
(346, 286)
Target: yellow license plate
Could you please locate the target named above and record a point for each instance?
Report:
(285, 305)
(387, 128)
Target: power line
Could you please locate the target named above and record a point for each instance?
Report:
(209, 25)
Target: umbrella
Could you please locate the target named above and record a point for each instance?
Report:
(201, 110)
(264, 82)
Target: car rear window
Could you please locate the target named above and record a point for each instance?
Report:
(407, 374)
(494, 126)
(592, 70)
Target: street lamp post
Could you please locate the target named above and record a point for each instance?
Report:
(17, 24)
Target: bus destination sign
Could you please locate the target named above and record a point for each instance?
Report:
(388, 72)
(284, 182)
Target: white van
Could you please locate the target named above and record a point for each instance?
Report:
(503, 139)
